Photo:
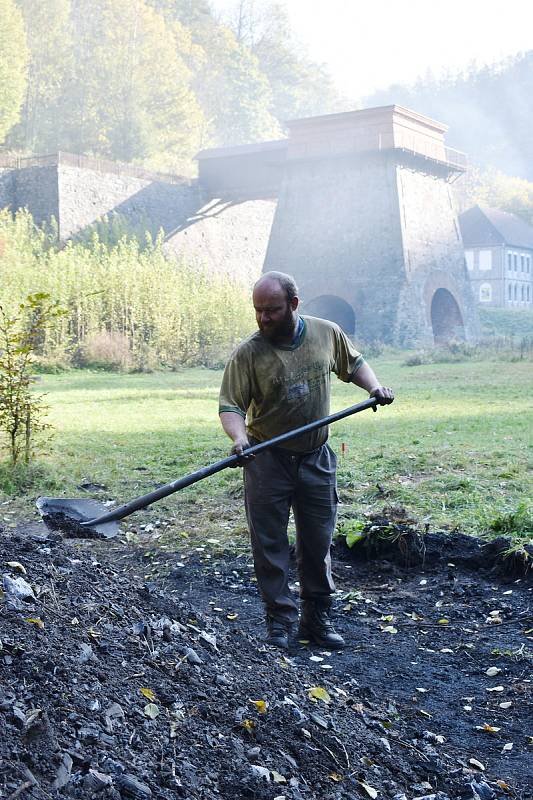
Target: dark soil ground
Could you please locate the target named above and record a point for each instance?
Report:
(118, 685)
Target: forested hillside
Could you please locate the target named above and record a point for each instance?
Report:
(489, 111)
(150, 81)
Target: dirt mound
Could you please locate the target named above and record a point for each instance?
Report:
(121, 678)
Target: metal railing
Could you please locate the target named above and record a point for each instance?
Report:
(88, 162)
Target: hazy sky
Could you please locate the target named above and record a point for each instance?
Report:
(369, 44)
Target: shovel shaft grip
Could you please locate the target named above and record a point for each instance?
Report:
(218, 466)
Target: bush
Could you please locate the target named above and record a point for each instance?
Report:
(169, 312)
(107, 350)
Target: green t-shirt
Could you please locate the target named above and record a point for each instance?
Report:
(278, 388)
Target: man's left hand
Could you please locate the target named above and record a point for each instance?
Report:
(383, 395)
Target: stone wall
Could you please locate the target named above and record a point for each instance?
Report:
(433, 255)
(229, 237)
(6, 187)
(337, 230)
(36, 188)
(88, 194)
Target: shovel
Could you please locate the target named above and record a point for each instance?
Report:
(79, 517)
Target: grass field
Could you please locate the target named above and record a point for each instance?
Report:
(454, 450)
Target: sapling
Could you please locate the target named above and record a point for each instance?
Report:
(22, 411)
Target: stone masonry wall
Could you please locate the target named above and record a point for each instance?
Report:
(36, 189)
(433, 254)
(6, 188)
(88, 194)
(337, 230)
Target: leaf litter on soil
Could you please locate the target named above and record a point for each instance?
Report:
(140, 686)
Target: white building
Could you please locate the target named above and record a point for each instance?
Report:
(499, 257)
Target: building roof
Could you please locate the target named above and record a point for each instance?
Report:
(483, 226)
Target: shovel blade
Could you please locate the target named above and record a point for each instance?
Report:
(70, 515)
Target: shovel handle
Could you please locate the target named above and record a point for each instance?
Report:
(218, 466)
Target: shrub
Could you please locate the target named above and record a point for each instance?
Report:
(107, 350)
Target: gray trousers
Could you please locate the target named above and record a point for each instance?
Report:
(274, 482)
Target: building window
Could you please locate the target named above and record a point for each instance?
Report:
(523, 293)
(485, 293)
(509, 261)
(510, 291)
(469, 258)
(528, 294)
(522, 262)
(528, 263)
(485, 259)
(515, 291)
(515, 261)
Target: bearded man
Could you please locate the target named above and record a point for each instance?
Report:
(276, 380)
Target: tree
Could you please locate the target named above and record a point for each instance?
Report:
(300, 87)
(129, 95)
(13, 65)
(50, 58)
(21, 410)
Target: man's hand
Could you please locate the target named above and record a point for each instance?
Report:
(239, 445)
(235, 427)
(383, 395)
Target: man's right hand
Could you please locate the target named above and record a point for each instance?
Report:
(239, 445)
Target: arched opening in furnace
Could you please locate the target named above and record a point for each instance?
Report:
(328, 306)
(446, 319)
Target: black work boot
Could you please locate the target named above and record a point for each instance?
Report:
(277, 633)
(316, 625)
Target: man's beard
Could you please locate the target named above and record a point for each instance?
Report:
(283, 329)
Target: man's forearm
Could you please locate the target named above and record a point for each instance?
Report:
(233, 424)
(365, 378)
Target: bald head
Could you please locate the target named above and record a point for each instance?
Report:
(275, 301)
(285, 282)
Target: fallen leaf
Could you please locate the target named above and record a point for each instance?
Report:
(151, 710)
(17, 566)
(318, 693)
(487, 728)
(334, 776)
(508, 746)
(248, 724)
(277, 777)
(507, 704)
(504, 786)
(368, 789)
(232, 616)
(389, 629)
(261, 706)
(36, 621)
(495, 688)
(147, 693)
(477, 764)
(492, 671)
(444, 621)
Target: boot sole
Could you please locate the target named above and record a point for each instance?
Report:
(306, 636)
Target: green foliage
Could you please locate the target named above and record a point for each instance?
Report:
(136, 101)
(492, 188)
(151, 81)
(22, 411)
(127, 304)
(13, 64)
(352, 530)
(48, 33)
(504, 347)
(516, 524)
(504, 322)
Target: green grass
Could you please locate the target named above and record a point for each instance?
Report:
(454, 449)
